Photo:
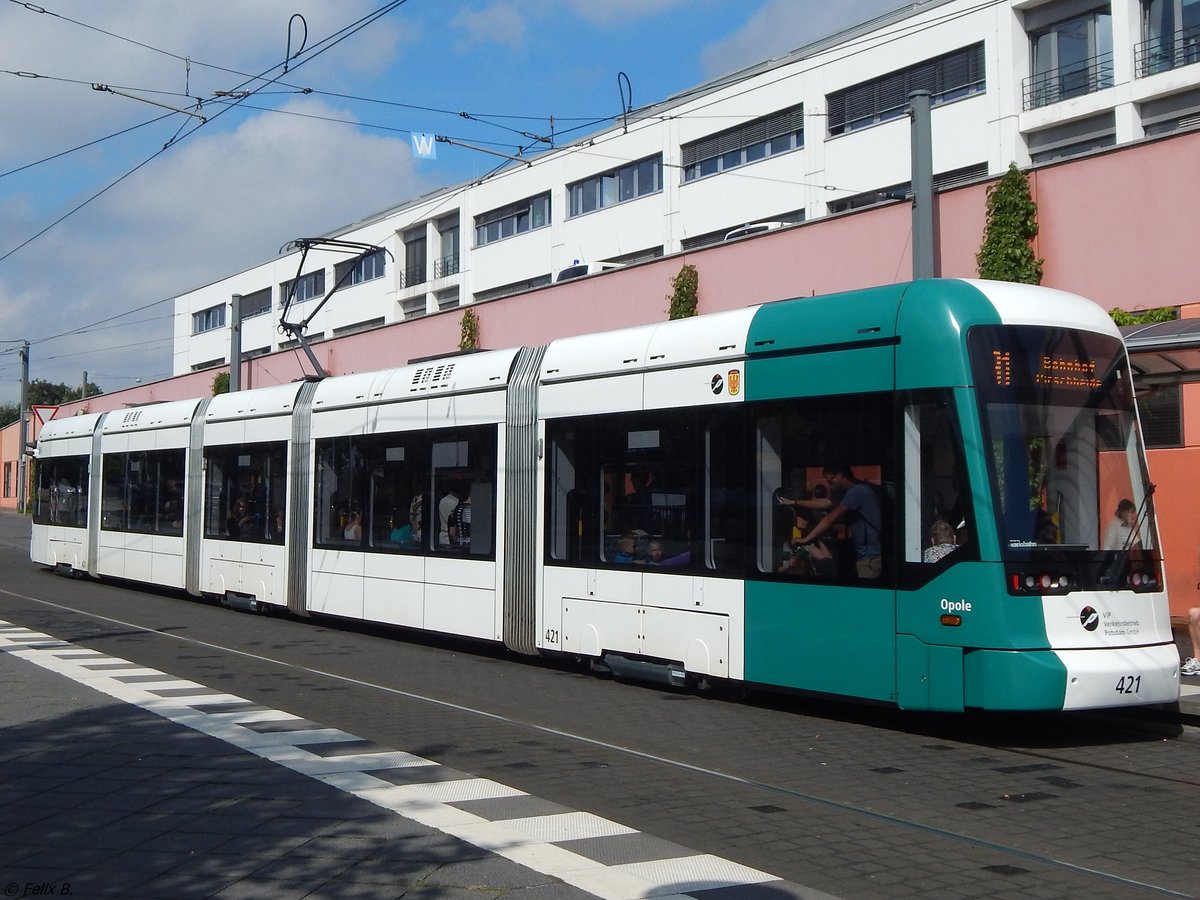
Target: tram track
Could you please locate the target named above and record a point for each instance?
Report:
(765, 788)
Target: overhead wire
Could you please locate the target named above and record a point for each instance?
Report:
(332, 41)
(92, 143)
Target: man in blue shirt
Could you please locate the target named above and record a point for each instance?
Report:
(860, 507)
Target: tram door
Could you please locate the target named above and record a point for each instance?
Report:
(821, 603)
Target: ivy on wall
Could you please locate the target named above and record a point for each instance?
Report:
(684, 291)
(1006, 253)
(469, 331)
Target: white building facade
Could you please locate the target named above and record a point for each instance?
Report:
(819, 132)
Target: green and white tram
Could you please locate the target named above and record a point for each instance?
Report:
(672, 500)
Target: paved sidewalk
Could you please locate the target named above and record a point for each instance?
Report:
(99, 798)
(174, 789)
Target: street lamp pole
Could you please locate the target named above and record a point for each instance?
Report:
(22, 469)
(923, 237)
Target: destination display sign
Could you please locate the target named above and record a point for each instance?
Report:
(1008, 359)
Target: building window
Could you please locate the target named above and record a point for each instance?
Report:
(769, 136)
(447, 263)
(368, 325)
(1161, 415)
(1071, 58)
(414, 257)
(293, 344)
(414, 307)
(517, 287)
(307, 287)
(256, 304)
(616, 186)
(637, 256)
(1172, 32)
(949, 77)
(363, 269)
(8, 479)
(941, 182)
(208, 319)
(1073, 138)
(516, 218)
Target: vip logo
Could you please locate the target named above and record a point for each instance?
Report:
(718, 384)
(1089, 618)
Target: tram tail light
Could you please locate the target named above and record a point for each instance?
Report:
(1040, 583)
(1144, 579)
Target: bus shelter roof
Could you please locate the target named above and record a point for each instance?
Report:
(1164, 353)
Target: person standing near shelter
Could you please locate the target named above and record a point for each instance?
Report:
(859, 506)
(1191, 665)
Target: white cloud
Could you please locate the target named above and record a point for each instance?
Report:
(224, 198)
(499, 23)
(209, 207)
(784, 25)
(611, 12)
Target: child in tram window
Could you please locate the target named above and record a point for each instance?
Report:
(656, 555)
(626, 548)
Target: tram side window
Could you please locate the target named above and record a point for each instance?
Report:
(727, 543)
(399, 471)
(341, 491)
(938, 515)
(143, 492)
(408, 492)
(62, 492)
(464, 479)
(626, 490)
(796, 444)
(245, 492)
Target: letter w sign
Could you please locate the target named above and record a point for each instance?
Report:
(424, 146)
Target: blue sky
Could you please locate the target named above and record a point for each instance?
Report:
(287, 162)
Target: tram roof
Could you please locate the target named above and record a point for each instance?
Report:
(1164, 353)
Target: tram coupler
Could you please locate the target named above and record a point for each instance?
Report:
(244, 602)
(672, 674)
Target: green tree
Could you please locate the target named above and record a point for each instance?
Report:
(44, 393)
(1006, 253)
(48, 393)
(685, 288)
(1144, 316)
(220, 383)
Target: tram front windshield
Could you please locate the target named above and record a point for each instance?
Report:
(1060, 434)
